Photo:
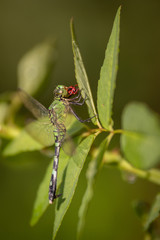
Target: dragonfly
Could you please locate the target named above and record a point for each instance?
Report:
(64, 98)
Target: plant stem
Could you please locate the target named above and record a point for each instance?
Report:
(153, 175)
(118, 131)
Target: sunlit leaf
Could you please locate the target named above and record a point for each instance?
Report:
(140, 140)
(70, 179)
(154, 212)
(82, 78)
(91, 175)
(9, 131)
(42, 202)
(22, 143)
(107, 81)
(36, 66)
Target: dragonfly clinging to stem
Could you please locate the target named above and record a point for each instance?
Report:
(57, 113)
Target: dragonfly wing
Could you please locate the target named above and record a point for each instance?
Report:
(42, 131)
(68, 145)
(73, 126)
(37, 109)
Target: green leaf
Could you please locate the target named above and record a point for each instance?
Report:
(22, 143)
(141, 139)
(70, 179)
(41, 202)
(154, 212)
(36, 66)
(107, 81)
(9, 131)
(82, 78)
(91, 175)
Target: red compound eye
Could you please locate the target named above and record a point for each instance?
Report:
(72, 90)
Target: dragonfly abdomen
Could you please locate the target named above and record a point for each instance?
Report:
(53, 181)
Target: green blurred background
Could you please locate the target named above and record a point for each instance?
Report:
(24, 24)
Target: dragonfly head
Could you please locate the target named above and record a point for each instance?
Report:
(63, 91)
(60, 91)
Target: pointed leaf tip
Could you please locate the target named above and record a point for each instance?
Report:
(108, 73)
(82, 78)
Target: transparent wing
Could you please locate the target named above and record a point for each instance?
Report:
(73, 127)
(68, 145)
(35, 107)
(42, 131)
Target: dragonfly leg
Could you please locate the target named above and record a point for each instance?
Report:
(74, 101)
(78, 101)
(78, 96)
(79, 119)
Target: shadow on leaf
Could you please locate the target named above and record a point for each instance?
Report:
(61, 189)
